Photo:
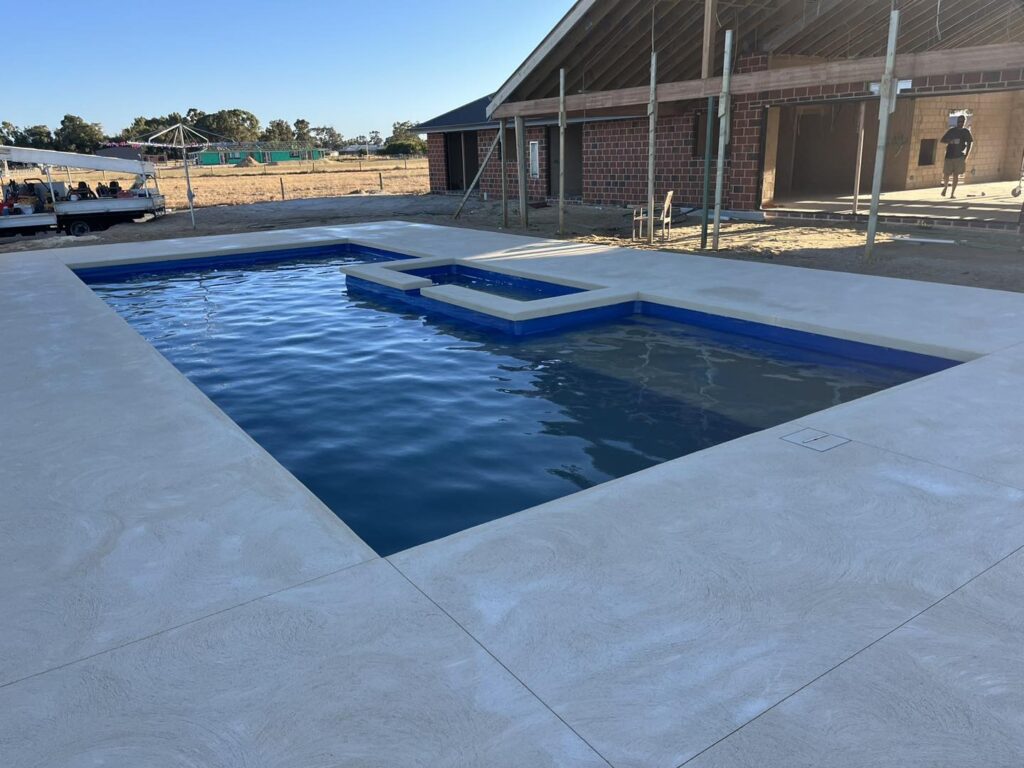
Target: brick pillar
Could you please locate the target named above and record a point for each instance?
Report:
(438, 168)
(743, 173)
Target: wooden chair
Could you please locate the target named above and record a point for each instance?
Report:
(640, 216)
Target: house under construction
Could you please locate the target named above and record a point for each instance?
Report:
(804, 105)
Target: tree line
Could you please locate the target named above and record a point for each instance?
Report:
(75, 134)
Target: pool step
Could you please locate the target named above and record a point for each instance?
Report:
(587, 304)
(538, 315)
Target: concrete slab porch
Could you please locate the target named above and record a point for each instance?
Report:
(176, 597)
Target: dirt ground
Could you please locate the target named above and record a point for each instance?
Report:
(231, 185)
(982, 259)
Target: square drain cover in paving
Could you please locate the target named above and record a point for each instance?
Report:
(815, 439)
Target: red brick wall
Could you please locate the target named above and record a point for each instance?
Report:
(615, 152)
(490, 182)
(436, 163)
(615, 155)
(615, 160)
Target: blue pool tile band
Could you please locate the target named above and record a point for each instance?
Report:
(526, 290)
(215, 261)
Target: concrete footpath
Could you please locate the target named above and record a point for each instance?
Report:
(173, 596)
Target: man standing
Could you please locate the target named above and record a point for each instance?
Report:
(958, 143)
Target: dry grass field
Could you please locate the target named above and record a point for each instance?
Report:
(229, 185)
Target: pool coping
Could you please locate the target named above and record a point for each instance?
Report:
(987, 327)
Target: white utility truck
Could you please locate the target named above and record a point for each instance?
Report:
(39, 204)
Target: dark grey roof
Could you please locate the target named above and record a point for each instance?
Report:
(471, 115)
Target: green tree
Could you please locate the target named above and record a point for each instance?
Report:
(404, 140)
(230, 124)
(414, 146)
(277, 130)
(143, 127)
(402, 131)
(35, 136)
(302, 134)
(76, 135)
(375, 138)
(8, 133)
(325, 136)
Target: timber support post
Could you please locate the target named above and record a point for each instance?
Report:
(725, 121)
(504, 174)
(860, 158)
(524, 215)
(706, 64)
(561, 153)
(886, 106)
(652, 129)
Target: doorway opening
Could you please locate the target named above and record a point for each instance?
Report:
(461, 159)
(810, 157)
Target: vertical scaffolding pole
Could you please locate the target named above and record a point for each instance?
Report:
(652, 127)
(561, 152)
(709, 135)
(886, 106)
(707, 62)
(524, 216)
(860, 159)
(504, 175)
(725, 118)
(188, 178)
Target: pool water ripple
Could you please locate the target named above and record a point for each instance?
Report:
(411, 428)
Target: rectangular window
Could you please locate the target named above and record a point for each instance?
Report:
(926, 155)
(534, 159)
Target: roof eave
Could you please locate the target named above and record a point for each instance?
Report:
(537, 55)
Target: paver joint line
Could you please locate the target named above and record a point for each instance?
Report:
(498, 661)
(853, 655)
(947, 467)
(185, 623)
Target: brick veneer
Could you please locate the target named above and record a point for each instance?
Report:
(615, 160)
(437, 163)
(490, 182)
(615, 152)
(615, 155)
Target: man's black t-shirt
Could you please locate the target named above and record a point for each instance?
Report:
(957, 140)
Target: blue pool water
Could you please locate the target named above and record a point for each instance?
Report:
(518, 288)
(411, 428)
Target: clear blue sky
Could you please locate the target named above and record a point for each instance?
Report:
(356, 66)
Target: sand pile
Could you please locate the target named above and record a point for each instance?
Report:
(249, 162)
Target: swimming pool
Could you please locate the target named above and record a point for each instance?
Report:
(412, 427)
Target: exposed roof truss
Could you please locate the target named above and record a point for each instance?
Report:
(605, 45)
